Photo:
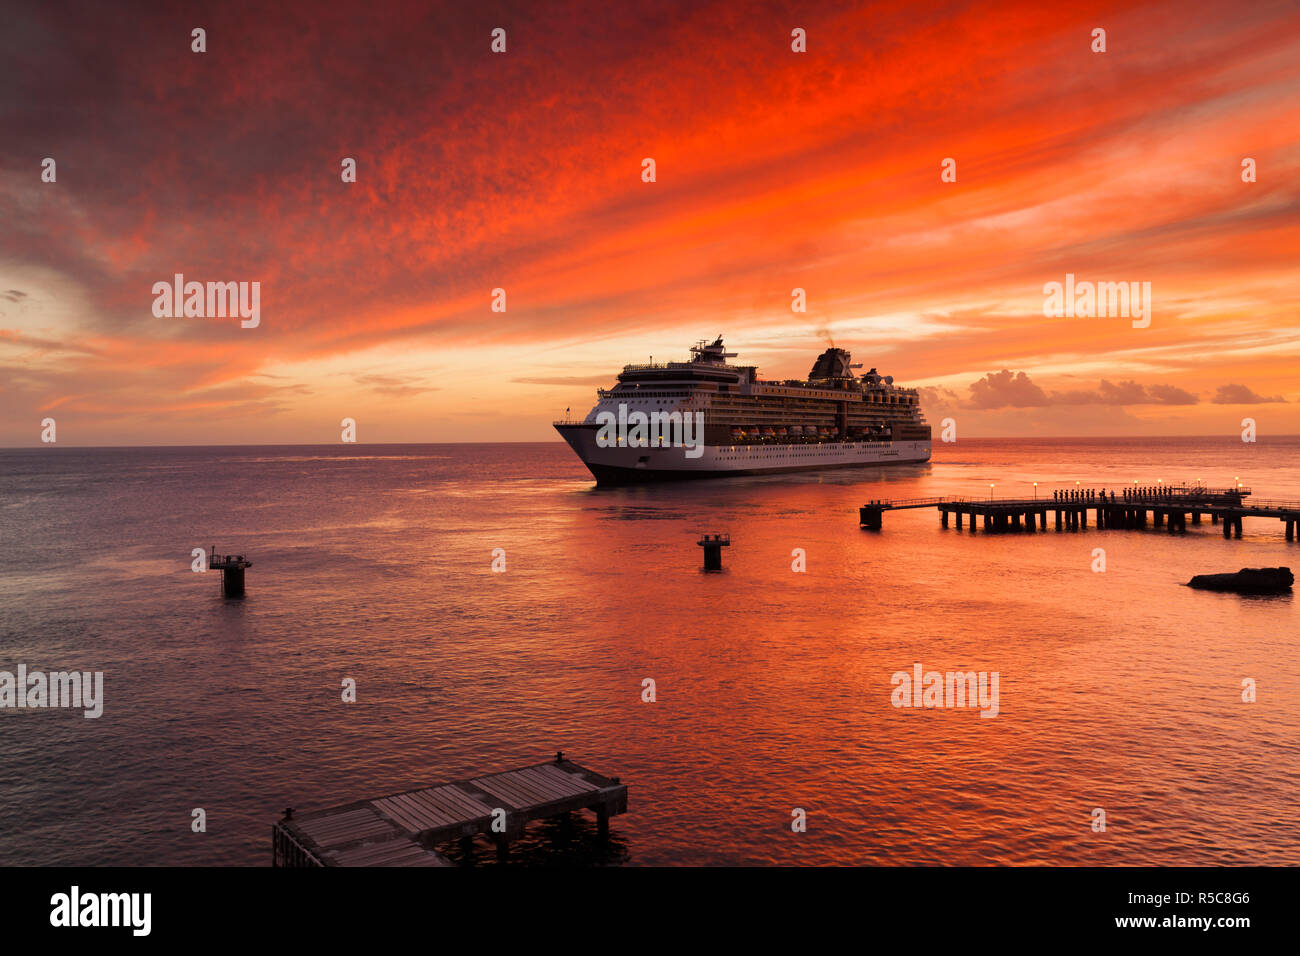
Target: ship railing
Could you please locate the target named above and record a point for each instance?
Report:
(643, 366)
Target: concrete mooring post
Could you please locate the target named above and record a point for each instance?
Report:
(232, 568)
(713, 545)
(869, 516)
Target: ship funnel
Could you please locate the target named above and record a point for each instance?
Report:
(831, 364)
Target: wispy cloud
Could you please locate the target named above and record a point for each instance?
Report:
(396, 386)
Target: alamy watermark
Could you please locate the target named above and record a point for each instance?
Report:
(922, 688)
(75, 909)
(212, 300)
(37, 690)
(1085, 300)
(639, 429)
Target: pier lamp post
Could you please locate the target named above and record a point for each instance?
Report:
(990, 491)
(1035, 491)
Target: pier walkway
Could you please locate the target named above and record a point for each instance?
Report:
(402, 829)
(1167, 507)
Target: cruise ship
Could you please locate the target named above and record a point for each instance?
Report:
(745, 425)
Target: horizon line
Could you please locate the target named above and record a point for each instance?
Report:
(1021, 438)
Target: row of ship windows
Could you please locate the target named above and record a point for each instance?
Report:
(642, 393)
(646, 401)
(774, 416)
(769, 450)
(797, 452)
(743, 400)
(719, 412)
(801, 402)
(778, 419)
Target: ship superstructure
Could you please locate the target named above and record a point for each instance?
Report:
(835, 418)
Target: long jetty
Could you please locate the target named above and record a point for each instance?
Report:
(404, 829)
(1167, 506)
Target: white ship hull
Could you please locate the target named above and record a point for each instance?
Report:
(619, 464)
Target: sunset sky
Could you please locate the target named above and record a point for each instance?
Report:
(523, 170)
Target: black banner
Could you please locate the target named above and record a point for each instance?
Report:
(329, 906)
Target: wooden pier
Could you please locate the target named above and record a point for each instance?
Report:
(404, 829)
(1161, 507)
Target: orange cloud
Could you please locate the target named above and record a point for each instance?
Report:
(522, 171)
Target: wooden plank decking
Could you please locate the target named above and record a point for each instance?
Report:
(401, 829)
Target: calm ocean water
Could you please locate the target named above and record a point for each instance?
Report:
(1119, 690)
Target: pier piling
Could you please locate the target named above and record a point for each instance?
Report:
(232, 568)
(869, 515)
(713, 545)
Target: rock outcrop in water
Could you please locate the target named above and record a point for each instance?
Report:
(1247, 581)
